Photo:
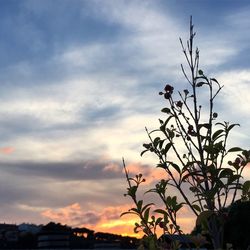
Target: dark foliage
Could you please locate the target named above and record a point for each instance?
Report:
(237, 227)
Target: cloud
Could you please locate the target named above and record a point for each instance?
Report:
(75, 215)
(72, 215)
(89, 170)
(80, 171)
(7, 150)
(74, 103)
(236, 95)
(97, 88)
(107, 220)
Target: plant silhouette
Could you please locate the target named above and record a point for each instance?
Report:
(191, 145)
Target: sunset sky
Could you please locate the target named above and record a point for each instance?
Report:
(79, 81)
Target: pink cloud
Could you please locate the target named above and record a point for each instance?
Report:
(66, 213)
(112, 167)
(108, 220)
(7, 150)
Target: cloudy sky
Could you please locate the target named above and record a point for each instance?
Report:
(79, 81)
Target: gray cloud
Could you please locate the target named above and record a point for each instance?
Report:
(12, 125)
(88, 218)
(62, 171)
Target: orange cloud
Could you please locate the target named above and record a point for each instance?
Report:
(108, 220)
(63, 215)
(7, 150)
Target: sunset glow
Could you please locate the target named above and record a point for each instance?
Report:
(79, 83)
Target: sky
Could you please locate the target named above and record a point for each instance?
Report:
(79, 81)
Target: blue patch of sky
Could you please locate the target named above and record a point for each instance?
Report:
(210, 19)
(51, 31)
(205, 13)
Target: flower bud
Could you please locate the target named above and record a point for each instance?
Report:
(167, 95)
(169, 88)
(215, 115)
(179, 104)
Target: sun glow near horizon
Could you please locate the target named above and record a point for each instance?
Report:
(109, 220)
